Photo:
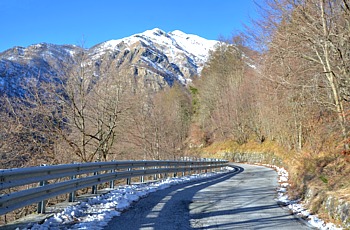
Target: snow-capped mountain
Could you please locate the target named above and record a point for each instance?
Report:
(172, 56)
(155, 58)
(187, 52)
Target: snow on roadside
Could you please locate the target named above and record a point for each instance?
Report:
(295, 205)
(95, 213)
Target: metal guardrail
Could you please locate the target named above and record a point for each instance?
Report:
(69, 178)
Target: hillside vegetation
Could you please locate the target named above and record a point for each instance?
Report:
(282, 87)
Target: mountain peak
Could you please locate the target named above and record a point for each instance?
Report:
(155, 31)
(178, 33)
(194, 45)
(187, 53)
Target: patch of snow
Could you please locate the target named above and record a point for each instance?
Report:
(96, 212)
(71, 52)
(155, 65)
(182, 79)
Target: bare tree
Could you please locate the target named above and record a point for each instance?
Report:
(225, 96)
(93, 107)
(306, 55)
(27, 123)
(159, 124)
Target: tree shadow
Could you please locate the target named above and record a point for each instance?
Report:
(170, 208)
(144, 215)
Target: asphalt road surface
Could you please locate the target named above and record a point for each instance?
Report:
(243, 199)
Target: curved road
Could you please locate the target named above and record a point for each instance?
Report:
(243, 199)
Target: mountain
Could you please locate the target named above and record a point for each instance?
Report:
(176, 55)
(155, 58)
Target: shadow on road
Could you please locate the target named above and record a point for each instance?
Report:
(185, 196)
(186, 206)
(174, 202)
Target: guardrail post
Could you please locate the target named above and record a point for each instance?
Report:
(184, 170)
(175, 173)
(207, 164)
(142, 178)
(94, 187)
(166, 174)
(155, 177)
(41, 204)
(71, 196)
(221, 168)
(204, 164)
(128, 180)
(111, 183)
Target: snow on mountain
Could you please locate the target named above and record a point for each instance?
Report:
(197, 46)
(172, 43)
(185, 52)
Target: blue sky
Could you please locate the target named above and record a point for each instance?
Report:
(26, 22)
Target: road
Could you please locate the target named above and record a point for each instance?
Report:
(243, 199)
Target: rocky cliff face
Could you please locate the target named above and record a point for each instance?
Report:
(153, 58)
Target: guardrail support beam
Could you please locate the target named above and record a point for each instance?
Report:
(142, 178)
(128, 180)
(41, 204)
(111, 183)
(71, 196)
(94, 187)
